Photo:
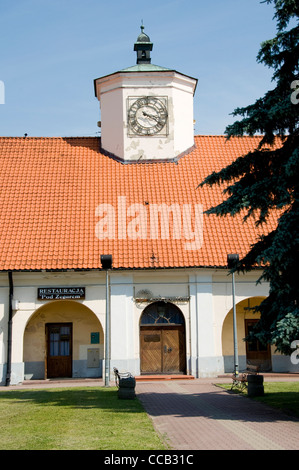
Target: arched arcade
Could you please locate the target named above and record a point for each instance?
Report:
(63, 339)
(253, 353)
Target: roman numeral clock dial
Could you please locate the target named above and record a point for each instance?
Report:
(147, 115)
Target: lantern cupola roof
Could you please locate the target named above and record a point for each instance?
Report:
(143, 46)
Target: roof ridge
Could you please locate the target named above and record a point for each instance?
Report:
(98, 137)
(49, 137)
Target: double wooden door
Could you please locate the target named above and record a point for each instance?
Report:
(59, 350)
(162, 350)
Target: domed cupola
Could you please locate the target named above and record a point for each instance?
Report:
(143, 46)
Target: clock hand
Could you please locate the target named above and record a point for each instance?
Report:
(151, 116)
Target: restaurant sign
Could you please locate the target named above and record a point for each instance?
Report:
(60, 293)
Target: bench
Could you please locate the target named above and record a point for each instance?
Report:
(125, 383)
(121, 375)
(240, 381)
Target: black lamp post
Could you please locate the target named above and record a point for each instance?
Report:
(106, 261)
(232, 260)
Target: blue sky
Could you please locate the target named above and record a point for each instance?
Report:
(52, 50)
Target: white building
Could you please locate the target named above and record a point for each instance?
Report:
(133, 195)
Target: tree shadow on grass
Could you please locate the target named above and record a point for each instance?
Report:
(220, 404)
(77, 398)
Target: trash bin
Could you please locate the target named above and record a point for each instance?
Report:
(126, 388)
(255, 385)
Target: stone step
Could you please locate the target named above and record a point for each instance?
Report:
(156, 377)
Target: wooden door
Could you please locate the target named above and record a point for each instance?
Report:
(150, 350)
(173, 354)
(256, 352)
(59, 350)
(162, 350)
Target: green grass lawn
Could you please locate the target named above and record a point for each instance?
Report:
(89, 418)
(282, 395)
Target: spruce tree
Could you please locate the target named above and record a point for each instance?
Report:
(266, 181)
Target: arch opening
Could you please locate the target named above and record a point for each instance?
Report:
(253, 353)
(162, 339)
(63, 339)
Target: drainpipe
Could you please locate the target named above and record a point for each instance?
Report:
(9, 330)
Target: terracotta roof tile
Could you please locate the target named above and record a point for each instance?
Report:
(52, 187)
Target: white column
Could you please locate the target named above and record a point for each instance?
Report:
(203, 327)
(122, 323)
(193, 328)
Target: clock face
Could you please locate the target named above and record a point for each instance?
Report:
(147, 116)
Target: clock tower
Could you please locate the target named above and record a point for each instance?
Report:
(146, 110)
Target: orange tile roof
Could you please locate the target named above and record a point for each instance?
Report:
(51, 188)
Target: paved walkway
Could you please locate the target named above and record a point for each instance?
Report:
(198, 415)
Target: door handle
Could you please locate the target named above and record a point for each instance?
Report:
(166, 349)
(169, 349)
